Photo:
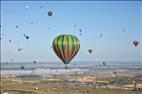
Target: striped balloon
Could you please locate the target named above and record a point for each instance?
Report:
(66, 47)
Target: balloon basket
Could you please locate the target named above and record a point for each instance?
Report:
(66, 67)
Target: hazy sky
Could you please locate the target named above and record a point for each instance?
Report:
(109, 18)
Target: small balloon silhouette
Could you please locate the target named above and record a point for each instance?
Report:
(90, 51)
(50, 13)
(17, 26)
(135, 42)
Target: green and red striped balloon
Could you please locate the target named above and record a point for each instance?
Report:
(66, 47)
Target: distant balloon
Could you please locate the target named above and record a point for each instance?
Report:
(90, 51)
(17, 26)
(135, 42)
(9, 41)
(74, 25)
(104, 63)
(114, 72)
(124, 30)
(101, 35)
(66, 47)
(50, 13)
(40, 7)
(27, 37)
(34, 62)
(20, 49)
(22, 67)
(80, 30)
(32, 23)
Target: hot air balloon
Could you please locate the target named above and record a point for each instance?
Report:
(27, 37)
(135, 42)
(74, 25)
(104, 63)
(22, 67)
(124, 30)
(40, 7)
(17, 26)
(9, 41)
(90, 51)
(101, 35)
(32, 23)
(80, 30)
(66, 47)
(20, 49)
(34, 62)
(49, 13)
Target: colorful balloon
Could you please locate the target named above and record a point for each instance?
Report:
(66, 47)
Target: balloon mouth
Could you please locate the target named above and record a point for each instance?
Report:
(66, 62)
(66, 67)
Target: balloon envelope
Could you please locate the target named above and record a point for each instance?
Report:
(22, 67)
(27, 37)
(66, 47)
(50, 13)
(90, 51)
(135, 42)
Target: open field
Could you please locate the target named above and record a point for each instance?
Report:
(58, 85)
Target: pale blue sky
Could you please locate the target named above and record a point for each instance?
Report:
(108, 18)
